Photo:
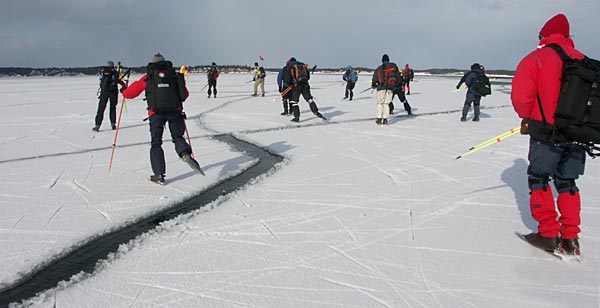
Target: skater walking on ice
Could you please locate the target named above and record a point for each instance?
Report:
(535, 92)
(212, 74)
(473, 97)
(350, 77)
(300, 86)
(259, 79)
(285, 83)
(109, 82)
(408, 75)
(385, 78)
(165, 93)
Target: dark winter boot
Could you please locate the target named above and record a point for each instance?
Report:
(296, 111)
(476, 119)
(384, 121)
(546, 243)
(113, 126)
(315, 109)
(407, 107)
(285, 107)
(569, 246)
(158, 179)
(96, 128)
(378, 121)
(463, 119)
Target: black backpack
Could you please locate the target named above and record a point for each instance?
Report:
(577, 116)
(108, 80)
(165, 89)
(482, 85)
(300, 73)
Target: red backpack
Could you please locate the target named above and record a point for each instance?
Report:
(389, 76)
(299, 73)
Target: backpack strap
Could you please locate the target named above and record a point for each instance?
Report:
(561, 52)
(564, 57)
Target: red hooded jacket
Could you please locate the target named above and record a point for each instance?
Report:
(538, 74)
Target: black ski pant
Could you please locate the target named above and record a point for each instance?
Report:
(177, 129)
(349, 87)
(112, 113)
(471, 98)
(303, 90)
(212, 83)
(403, 100)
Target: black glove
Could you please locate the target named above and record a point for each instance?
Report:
(524, 126)
(123, 89)
(280, 89)
(457, 86)
(373, 86)
(184, 115)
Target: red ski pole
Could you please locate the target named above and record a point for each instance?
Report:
(114, 145)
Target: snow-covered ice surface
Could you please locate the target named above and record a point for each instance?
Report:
(360, 215)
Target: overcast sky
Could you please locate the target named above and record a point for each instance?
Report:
(328, 33)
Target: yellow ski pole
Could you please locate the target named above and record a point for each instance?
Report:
(495, 139)
(499, 138)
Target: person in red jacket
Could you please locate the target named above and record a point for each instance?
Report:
(212, 74)
(165, 92)
(536, 82)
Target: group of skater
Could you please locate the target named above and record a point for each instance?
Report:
(292, 80)
(532, 90)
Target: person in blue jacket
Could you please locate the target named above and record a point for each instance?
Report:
(350, 77)
(285, 82)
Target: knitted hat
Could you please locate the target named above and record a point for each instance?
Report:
(214, 63)
(255, 63)
(157, 58)
(385, 58)
(110, 64)
(557, 24)
(292, 59)
(475, 66)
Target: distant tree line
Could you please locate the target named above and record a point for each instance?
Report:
(94, 70)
